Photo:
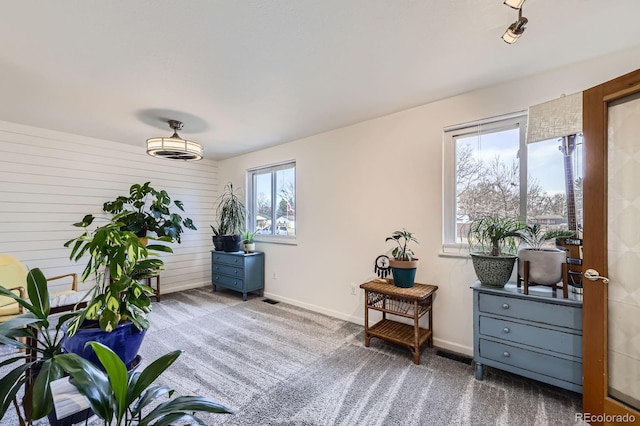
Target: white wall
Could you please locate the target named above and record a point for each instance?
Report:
(50, 180)
(358, 184)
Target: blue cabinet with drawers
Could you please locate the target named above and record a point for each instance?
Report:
(537, 335)
(243, 272)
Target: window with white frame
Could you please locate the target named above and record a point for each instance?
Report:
(489, 168)
(271, 192)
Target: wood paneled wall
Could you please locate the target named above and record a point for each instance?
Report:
(50, 180)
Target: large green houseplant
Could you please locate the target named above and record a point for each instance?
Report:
(146, 209)
(118, 303)
(118, 260)
(232, 217)
(491, 239)
(404, 263)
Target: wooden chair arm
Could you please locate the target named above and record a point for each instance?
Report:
(22, 292)
(74, 283)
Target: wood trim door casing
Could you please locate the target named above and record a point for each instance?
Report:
(595, 110)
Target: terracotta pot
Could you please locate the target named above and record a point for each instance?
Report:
(404, 272)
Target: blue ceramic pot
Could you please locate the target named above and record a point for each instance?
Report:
(125, 340)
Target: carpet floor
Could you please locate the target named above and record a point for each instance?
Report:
(283, 365)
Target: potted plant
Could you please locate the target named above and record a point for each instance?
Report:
(491, 240)
(149, 210)
(114, 395)
(119, 397)
(118, 303)
(545, 263)
(35, 365)
(232, 217)
(404, 264)
(217, 238)
(249, 244)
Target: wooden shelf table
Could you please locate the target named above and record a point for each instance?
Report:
(414, 303)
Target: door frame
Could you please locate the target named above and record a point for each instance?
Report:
(595, 126)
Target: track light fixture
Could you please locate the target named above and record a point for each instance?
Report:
(516, 4)
(516, 29)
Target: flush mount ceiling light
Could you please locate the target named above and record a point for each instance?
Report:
(174, 148)
(516, 29)
(516, 4)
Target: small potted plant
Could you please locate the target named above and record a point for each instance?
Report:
(232, 217)
(249, 244)
(491, 239)
(545, 262)
(404, 264)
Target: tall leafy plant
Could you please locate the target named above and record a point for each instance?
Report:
(117, 260)
(119, 397)
(231, 212)
(494, 233)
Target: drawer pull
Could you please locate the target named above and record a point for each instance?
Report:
(506, 354)
(505, 306)
(506, 330)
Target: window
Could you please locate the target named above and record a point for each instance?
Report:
(272, 200)
(489, 168)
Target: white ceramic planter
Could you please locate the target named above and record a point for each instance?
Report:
(249, 247)
(545, 266)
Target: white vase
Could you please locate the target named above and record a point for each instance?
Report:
(249, 247)
(545, 265)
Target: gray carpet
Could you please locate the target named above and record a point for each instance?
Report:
(282, 365)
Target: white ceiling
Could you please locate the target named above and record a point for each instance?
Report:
(247, 74)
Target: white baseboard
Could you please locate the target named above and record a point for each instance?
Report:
(440, 343)
(315, 308)
(189, 286)
(453, 347)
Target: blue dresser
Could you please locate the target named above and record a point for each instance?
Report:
(243, 272)
(537, 335)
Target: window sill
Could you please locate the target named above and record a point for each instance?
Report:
(287, 241)
(457, 251)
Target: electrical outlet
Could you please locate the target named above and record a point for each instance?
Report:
(353, 289)
(274, 277)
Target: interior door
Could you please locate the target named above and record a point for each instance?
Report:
(611, 335)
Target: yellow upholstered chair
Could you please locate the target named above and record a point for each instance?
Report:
(13, 276)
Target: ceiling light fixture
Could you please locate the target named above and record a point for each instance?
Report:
(516, 4)
(174, 148)
(516, 29)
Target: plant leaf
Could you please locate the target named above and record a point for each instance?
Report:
(182, 404)
(38, 292)
(90, 382)
(117, 373)
(153, 370)
(42, 399)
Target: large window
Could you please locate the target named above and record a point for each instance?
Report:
(489, 168)
(272, 200)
